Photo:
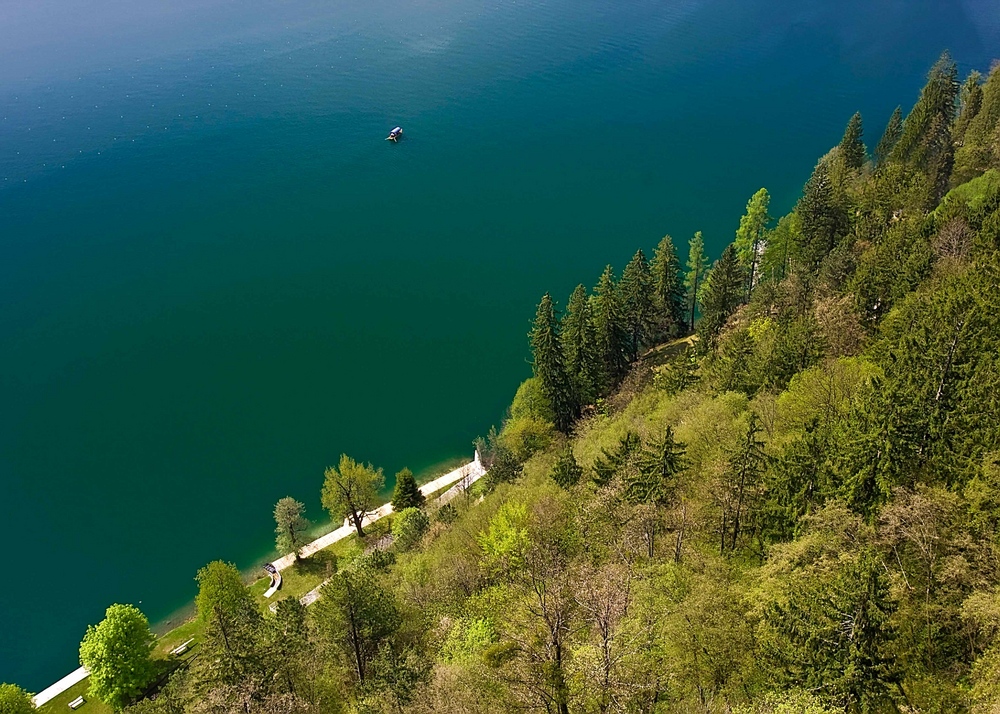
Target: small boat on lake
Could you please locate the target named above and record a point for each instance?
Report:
(394, 134)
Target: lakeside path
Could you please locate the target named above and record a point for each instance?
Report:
(467, 474)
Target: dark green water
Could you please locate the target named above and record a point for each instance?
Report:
(216, 276)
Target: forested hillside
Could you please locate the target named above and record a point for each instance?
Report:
(795, 508)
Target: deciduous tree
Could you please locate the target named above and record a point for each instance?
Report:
(14, 700)
(750, 237)
(118, 654)
(290, 525)
(350, 490)
(697, 269)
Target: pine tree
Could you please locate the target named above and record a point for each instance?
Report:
(722, 293)
(820, 215)
(567, 472)
(697, 267)
(406, 493)
(970, 102)
(609, 330)
(636, 292)
(893, 130)
(926, 142)
(548, 364)
(655, 478)
(750, 236)
(579, 348)
(742, 484)
(668, 290)
(852, 147)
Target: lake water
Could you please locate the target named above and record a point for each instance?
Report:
(216, 276)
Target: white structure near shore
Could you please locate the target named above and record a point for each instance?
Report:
(467, 475)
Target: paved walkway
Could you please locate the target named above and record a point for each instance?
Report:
(472, 470)
(469, 473)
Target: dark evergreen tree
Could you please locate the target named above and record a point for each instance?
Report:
(657, 465)
(893, 130)
(609, 331)
(970, 102)
(852, 146)
(636, 292)
(926, 142)
(579, 344)
(567, 472)
(406, 493)
(609, 463)
(742, 486)
(548, 364)
(797, 483)
(723, 293)
(668, 290)
(821, 217)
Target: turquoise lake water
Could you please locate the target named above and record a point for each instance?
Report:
(216, 276)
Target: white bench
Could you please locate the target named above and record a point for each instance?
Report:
(181, 649)
(76, 703)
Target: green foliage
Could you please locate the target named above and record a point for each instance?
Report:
(14, 700)
(697, 269)
(821, 215)
(468, 640)
(579, 341)
(549, 367)
(447, 514)
(567, 472)
(723, 292)
(977, 129)
(350, 490)
(852, 146)
(750, 237)
(610, 332)
(408, 527)
(406, 493)
(504, 543)
(356, 616)
(529, 427)
(118, 654)
(290, 525)
(607, 466)
(893, 131)
(657, 467)
(637, 302)
(668, 291)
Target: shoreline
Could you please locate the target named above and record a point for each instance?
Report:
(431, 488)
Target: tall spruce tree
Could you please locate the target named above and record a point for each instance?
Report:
(852, 146)
(567, 472)
(548, 364)
(970, 102)
(636, 291)
(697, 268)
(893, 130)
(609, 331)
(722, 293)
(750, 237)
(668, 289)
(926, 142)
(579, 348)
(821, 216)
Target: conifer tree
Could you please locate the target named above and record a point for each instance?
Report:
(567, 472)
(406, 493)
(970, 102)
(852, 146)
(750, 236)
(636, 291)
(697, 268)
(579, 348)
(656, 474)
(893, 130)
(548, 364)
(722, 293)
(820, 216)
(668, 290)
(926, 142)
(609, 330)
